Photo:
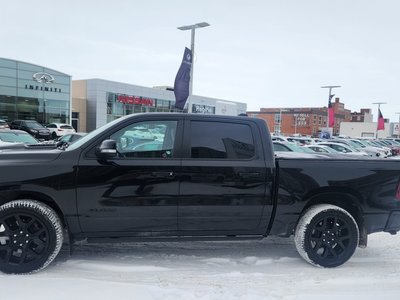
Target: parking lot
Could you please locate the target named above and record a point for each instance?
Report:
(267, 269)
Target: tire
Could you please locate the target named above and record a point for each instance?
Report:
(326, 236)
(54, 136)
(31, 235)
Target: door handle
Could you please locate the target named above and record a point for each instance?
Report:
(163, 174)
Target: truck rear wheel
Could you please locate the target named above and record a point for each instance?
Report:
(31, 235)
(326, 235)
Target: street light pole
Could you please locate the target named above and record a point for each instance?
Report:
(330, 87)
(398, 125)
(280, 119)
(379, 108)
(192, 28)
(295, 123)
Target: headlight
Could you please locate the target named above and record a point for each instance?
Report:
(33, 130)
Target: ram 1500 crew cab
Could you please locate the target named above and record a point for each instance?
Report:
(184, 176)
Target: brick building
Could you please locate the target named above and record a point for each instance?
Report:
(302, 120)
(364, 115)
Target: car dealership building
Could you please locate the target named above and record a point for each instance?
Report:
(32, 92)
(107, 100)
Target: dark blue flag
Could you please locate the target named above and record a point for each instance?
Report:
(182, 79)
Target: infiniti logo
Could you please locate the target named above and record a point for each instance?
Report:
(43, 77)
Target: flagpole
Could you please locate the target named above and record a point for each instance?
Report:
(330, 87)
(377, 121)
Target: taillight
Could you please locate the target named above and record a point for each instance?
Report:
(60, 129)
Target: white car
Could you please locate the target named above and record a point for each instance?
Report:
(59, 129)
(321, 149)
(4, 125)
(345, 149)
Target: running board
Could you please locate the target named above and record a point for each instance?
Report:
(172, 239)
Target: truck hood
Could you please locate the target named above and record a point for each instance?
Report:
(28, 155)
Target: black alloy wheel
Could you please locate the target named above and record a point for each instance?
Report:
(327, 236)
(30, 236)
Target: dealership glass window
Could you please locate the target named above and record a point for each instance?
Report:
(12, 64)
(116, 108)
(25, 108)
(221, 141)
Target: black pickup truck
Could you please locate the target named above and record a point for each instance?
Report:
(169, 176)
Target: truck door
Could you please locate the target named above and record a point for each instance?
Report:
(135, 193)
(224, 179)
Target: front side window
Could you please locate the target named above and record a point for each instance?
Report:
(216, 140)
(149, 139)
(319, 149)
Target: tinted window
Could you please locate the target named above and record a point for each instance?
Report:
(66, 127)
(33, 124)
(221, 140)
(153, 139)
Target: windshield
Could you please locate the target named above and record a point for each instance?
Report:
(13, 137)
(95, 132)
(34, 125)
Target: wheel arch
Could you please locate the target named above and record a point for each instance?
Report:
(40, 197)
(345, 199)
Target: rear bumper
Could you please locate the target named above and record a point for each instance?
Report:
(393, 222)
(378, 222)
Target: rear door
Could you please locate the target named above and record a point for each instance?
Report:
(224, 179)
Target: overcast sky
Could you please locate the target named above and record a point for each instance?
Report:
(265, 53)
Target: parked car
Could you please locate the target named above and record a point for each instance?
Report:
(344, 148)
(32, 127)
(301, 140)
(359, 145)
(20, 140)
(322, 149)
(376, 143)
(4, 124)
(17, 136)
(289, 147)
(393, 145)
(59, 129)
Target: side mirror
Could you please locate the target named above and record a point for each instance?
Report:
(107, 149)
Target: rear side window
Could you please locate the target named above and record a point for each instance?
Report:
(218, 140)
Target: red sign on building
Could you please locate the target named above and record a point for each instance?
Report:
(135, 100)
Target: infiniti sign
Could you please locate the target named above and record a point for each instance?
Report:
(43, 77)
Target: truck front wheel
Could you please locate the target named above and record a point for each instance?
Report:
(31, 235)
(326, 235)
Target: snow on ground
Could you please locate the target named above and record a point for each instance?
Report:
(267, 269)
